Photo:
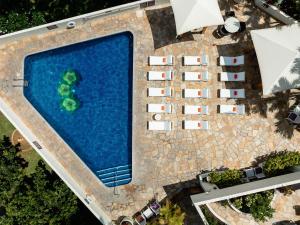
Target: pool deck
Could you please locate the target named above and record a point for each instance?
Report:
(162, 161)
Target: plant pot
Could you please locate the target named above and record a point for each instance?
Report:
(126, 221)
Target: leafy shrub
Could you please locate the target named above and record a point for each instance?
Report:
(238, 203)
(17, 15)
(258, 205)
(170, 214)
(281, 162)
(226, 178)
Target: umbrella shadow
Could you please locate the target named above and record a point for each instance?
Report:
(163, 27)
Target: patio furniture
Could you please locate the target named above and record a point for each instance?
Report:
(231, 60)
(126, 221)
(229, 14)
(252, 173)
(159, 108)
(157, 117)
(232, 109)
(242, 27)
(161, 60)
(195, 60)
(232, 24)
(195, 125)
(196, 109)
(195, 76)
(155, 207)
(160, 125)
(160, 92)
(161, 75)
(221, 31)
(294, 115)
(232, 93)
(196, 93)
(148, 213)
(231, 76)
(190, 15)
(140, 219)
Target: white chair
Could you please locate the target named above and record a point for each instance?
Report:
(161, 75)
(196, 93)
(195, 60)
(159, 108)
(195, 76)
(231, 61)
(160, 125)
(161, 60)
(232, 109)
(196, 109)
(232, 93)
(148, 213)
(230, 76)
(160, 92)
(195, 125)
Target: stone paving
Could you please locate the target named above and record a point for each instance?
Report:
(160, 159)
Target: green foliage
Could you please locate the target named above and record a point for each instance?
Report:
(38, 199)
(279, 163)
(258, 205)
(238, 203)
(226, 178)
(17, 15)
(170, 214)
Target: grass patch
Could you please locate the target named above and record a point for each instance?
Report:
(32, 158)
(6, 128)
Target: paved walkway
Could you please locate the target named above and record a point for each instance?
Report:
(161, 160)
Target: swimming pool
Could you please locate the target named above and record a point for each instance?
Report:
(100, 130)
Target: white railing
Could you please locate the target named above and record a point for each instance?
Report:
(77, 20)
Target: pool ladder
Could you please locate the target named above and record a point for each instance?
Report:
(19, 82)
(115, 176)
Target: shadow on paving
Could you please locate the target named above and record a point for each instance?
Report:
(180, 194)
(256, 18)
(280, 104)
(163, 27)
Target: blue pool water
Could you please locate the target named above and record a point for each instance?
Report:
(100, 131)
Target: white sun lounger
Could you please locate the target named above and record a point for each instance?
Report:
(161, 60)
(160, 125)
(195, 60)
(160, 92)
(160, 75)
(196, 93)
(195, 125)
(232, 93)
(230, 76)
(195, 76)
(196, 109)
(231, 61)
(232, 109)
(159, 108)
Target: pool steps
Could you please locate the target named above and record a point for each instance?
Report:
(115, 176)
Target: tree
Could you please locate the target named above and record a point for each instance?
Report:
(170, 214)
(39, 199)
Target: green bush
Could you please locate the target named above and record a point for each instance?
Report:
(170, 214)
(209, 217)
(258, 205)
(226, 178)
(17, 15)
(281, 162)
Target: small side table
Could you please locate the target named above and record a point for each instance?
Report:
(157, 117)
